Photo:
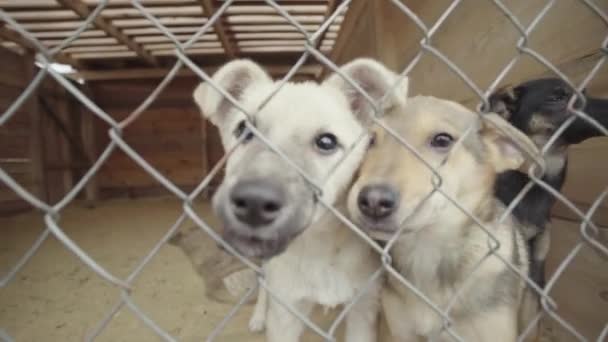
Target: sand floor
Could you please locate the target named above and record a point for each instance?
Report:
(56, 297)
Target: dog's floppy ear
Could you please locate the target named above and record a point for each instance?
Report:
(376, 80)
(234, 78)
(509, 148)
(505, 102)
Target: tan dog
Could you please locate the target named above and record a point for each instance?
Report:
(441, 247)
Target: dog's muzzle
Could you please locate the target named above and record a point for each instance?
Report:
(257, 218)
(377, 204)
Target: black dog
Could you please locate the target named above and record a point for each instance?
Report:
(538, 108)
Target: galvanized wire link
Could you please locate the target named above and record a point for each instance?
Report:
(52, 212)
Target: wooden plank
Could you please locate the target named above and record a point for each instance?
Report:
(36, 153)
(138, 32)
(269, 19)
(110, 48)
(276, 28)
(99, 55)
(65, 34)
(179, 37)
(91, 75)
(166, 21)
(218, 26)
(15, 37)
(355, 24)
(245, 8)
(89, 142)
(167, 46)
(83, 11)
(65, 150)
(581, 291)
(331, 8)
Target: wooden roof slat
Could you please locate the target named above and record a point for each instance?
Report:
(65, 34)
(191, 52)
(156, 31)
(156, 11)
(143, 2)
(102, 55)
(24, 4)
(277, 28)
(272, 49)
(43, 15)
(83, 41)
(269, 19)
(82, 9)
(167, 21)
(193, 46)
(254, 43)
(103, 48)
(15, 37)
(266, 9)
(218, 26)
(181, 38)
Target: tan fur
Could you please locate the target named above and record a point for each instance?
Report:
(442, 245)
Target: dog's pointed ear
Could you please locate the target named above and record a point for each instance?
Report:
(509, 148)
(234, 78)
(376, 80)
(506, 101)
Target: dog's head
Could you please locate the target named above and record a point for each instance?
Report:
(263, 201)
(539, 107)
(395, 185)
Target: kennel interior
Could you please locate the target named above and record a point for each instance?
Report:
(109, 134)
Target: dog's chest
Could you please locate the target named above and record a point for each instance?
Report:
(326, 275)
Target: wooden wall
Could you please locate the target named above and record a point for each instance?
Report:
(169, 135)
(34, 148)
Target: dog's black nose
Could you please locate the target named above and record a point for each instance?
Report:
(256, 202)
(378, 201)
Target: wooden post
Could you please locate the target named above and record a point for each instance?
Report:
(87, 128)
(65, 152)
(36, 151)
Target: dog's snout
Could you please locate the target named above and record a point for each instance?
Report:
(378, 201)
(257, 202)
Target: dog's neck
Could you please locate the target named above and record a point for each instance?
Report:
(535, 207)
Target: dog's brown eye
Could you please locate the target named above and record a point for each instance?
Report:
(326, 142)
(442, 140)
(240, 129)
(372, 140)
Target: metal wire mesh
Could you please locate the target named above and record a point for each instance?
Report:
(52, 213)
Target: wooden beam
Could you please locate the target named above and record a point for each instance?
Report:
(89, 143)
(83, 11)
(36, 150)
(354, 16)
(218, 26)
(149, 73)
(15, 37)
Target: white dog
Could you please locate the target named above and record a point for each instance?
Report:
(270, 211)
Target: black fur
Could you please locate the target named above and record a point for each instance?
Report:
(546, 101)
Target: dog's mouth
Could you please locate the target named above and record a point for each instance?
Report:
(382, 230)
(256, 247)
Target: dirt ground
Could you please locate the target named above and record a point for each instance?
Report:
(56, 297)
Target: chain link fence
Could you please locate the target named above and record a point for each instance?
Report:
(52, 213)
